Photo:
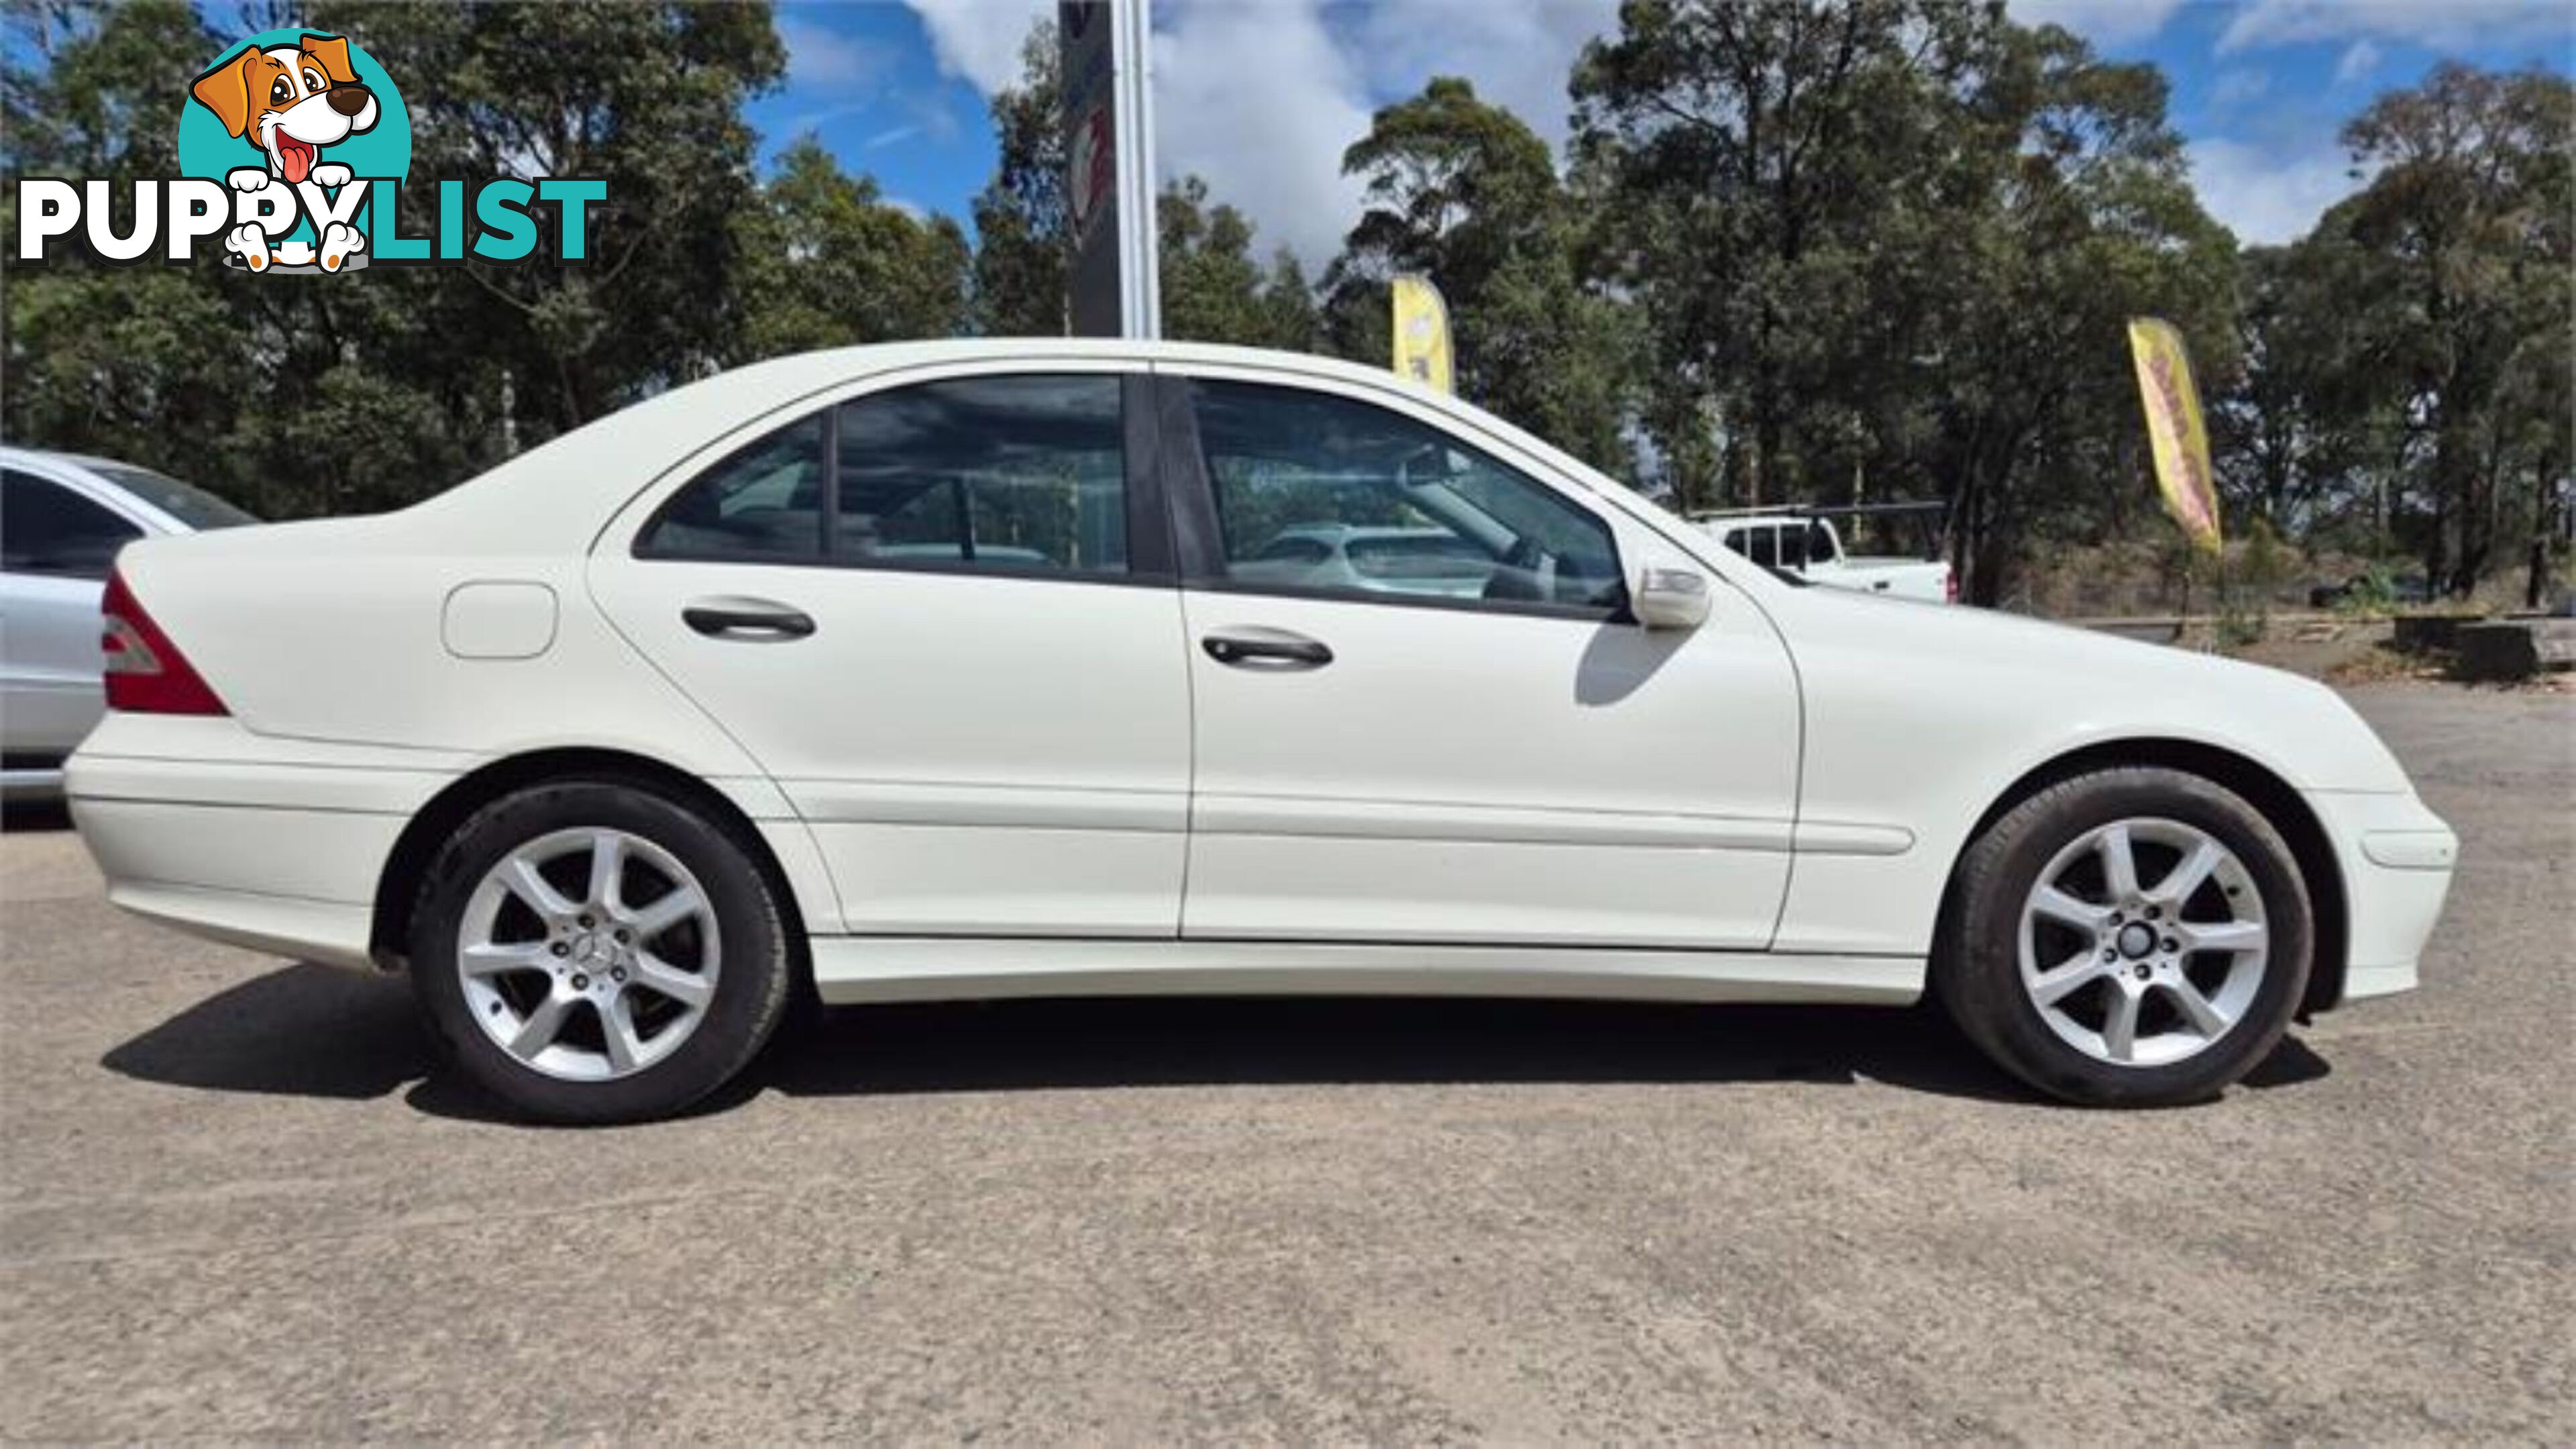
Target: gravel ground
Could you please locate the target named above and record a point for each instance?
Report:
(230, 1206)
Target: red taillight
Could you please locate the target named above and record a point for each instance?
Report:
(146, 673)
(1950, 586)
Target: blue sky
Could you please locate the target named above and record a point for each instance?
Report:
(865, 78)
(1260, 96)
(2261, 89)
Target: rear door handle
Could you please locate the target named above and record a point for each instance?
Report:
(1250, 646)
(751, 619)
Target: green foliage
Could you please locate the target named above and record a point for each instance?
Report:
(295, 398)
(1212, 289)
(646, 95)
(2302, 423)
(1465, 193)
(2238, 629)
(826, 263)
(1889, 246)
(112, 360)
(2254, 570)
(1024, 256)
(2262, 565)
(2372, 591)
(1796, 251)
(2466, 279)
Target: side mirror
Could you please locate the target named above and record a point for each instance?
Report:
(1670, 598)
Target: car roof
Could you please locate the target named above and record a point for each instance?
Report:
(14, 454)
(87, 465)
(79, 472)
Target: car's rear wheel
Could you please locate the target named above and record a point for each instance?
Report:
(593, 952)
(2127, 937)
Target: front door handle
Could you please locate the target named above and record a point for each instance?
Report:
(752, 619)
(1250, 646)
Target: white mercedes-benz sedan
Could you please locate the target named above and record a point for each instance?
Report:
(977, 669)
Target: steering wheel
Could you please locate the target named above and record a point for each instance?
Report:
(1515, 578)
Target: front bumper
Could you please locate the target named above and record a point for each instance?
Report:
(2396, 858)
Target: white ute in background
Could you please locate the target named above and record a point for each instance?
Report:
(1812, 548)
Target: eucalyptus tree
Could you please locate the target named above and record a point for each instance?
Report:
(1213, 290)
(1023, 236)
(1464, 192)
(1888, 247)
(827, 261)
(2465, 226)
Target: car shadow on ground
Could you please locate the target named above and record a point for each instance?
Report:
(315, 1031)
(304, 1031)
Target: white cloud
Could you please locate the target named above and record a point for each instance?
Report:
(818, 119)
(1261, 97)
(2358, 61)
(1518, 55)
(980, 40)
(818, 55)
(2235, 87)
(1261, 101)
(2104, 22)
(2439, 24)
(2269, 196)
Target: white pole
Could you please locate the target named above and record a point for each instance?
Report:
(1140, 289)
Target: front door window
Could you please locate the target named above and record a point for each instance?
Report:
(1322, 494)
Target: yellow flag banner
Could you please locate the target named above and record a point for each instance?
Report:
(2175, 428)
(1422, 332)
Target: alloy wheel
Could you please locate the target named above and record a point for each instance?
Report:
(588, 954)
(2143, 942)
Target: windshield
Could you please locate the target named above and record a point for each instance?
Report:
(185, 502)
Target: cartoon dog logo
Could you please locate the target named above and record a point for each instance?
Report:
(288, 102)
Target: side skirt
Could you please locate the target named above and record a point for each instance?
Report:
(952, 968)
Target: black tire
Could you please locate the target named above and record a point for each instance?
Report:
(1977, 970)
(753, 981)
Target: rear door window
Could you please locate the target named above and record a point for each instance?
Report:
(761, 503)
(1009, 474)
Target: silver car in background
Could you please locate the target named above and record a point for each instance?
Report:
(62, 519)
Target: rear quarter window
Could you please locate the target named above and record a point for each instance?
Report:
(763, 502)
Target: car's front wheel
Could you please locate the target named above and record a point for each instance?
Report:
(594, 952)
(2127, 937)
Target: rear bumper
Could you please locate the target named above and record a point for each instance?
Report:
(274, 845)
(329, 932)
(2397, 858)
